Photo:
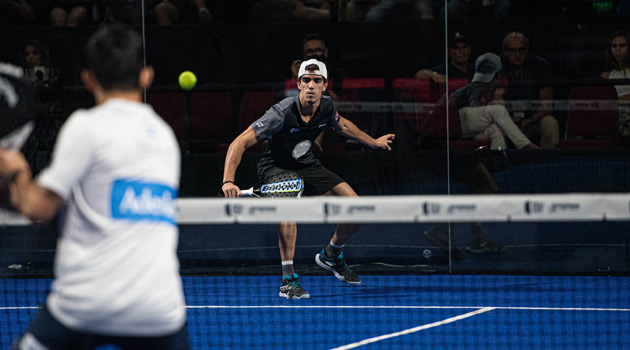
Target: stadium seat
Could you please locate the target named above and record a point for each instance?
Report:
(254, 104)
(171, 106)
(592, 117)
(209, 123)
(357, 93)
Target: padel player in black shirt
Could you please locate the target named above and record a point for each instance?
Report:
(291, 126)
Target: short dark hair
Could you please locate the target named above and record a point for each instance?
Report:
(313, 36)
(115, 54)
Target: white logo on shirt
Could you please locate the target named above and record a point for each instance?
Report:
(321, 125)
(143, 201)
(301, 149)
(294, 130)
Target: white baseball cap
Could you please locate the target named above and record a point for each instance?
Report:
(321, 68)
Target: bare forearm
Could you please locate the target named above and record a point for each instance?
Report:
(424, 74)
(232, 161)
(32, 200)
(351, 131)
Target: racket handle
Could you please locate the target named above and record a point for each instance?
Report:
(249, 193)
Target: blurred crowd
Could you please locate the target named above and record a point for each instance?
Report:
(60, 13)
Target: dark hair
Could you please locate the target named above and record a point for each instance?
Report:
(40, 47)
(311, 67)
(611, 62)
(313, 36)
(114, 53)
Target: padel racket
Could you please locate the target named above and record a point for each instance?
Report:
(17, 108)
(284, 184)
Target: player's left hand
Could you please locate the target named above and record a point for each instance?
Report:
(384, 141)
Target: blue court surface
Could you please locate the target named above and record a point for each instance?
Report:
(385, 312)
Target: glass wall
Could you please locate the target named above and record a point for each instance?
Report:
(392, 64)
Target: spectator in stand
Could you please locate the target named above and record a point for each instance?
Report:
(69, 13)
(36, 62)
(529, 92)
(271, 11)
(49, 106)
(389, 10)
(459, 65)
(466, 9)
(14, 12)
(479, 115)
(168, 12)
(618, 67)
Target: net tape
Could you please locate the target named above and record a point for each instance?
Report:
(397, 209)
(408, 209)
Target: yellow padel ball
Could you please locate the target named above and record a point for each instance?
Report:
(187, 80)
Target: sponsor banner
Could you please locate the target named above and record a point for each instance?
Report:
(193, 211)
(374, 209)
(467, 208)
(274, 210)
(575, 207)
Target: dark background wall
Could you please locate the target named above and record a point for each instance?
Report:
(250, 53)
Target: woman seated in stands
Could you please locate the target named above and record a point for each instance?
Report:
(618, 67)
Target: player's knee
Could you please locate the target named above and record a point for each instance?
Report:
(343, 190)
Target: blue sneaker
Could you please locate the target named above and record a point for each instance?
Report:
(291, 288)
(338, 267)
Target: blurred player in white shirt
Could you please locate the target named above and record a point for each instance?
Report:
(113, 179)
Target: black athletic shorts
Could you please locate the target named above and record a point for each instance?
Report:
(317, 179)
(55, 336)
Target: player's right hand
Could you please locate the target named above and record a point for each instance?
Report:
(230, 190)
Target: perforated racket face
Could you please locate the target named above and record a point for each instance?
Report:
(17, 108)
(286, 184)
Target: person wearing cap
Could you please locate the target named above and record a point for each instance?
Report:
(529, 79)
(291, 126)
(479, 117)
(459, 65)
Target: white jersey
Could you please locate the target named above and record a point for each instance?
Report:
(116, 268)
(622, 90)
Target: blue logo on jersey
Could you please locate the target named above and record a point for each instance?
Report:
(143, 201)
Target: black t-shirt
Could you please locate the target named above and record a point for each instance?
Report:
(454, 72)
(290, 138)
(536, 75)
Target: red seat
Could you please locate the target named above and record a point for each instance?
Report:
(374, 122)
(171, 106)
(209, 123)
(592, 117)
(254, 104)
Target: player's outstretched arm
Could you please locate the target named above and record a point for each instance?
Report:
(233, 158)
(27, 197)
(350, 130)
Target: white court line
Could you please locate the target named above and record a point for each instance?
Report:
(532, 308)
(413, 330)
